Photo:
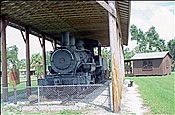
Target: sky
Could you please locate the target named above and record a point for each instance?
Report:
(14, 37)
(144, 14)
(160, 14)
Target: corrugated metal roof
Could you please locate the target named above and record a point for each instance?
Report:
(153, 55)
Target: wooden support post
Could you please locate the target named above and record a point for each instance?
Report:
(28, 83)
(55, 44)
(4, 59)
(44, 55)
(121, 68)
(115, 57)
(23, 36)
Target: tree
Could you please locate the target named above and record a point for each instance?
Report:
(154, 42)
(107, 54)
(47, 58)
(22, 64)
(128, 54)
(36, 63)
(12, 56)
(139, 36)
(171, 48)
(148, 41)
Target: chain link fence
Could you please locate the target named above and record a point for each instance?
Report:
(62, 95)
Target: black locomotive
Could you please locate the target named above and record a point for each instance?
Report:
(76, 62)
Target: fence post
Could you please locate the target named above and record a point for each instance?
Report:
(109, 91)
(15, 96)
(38, 99)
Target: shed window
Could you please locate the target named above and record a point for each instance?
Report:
(150, 63)
(144, 63)
(167, 64)
(147, 65)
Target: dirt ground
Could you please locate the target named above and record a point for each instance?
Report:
(131, 103)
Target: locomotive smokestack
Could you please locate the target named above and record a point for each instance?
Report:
(65, 39)
(72, 42)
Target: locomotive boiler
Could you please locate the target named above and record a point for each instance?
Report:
(75, 62)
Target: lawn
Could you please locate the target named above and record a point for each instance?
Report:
(21, 88)
(158, 92)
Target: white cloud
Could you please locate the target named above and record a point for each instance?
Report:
(142, 5)
(140, 23)
(164, 23)
(145, 14)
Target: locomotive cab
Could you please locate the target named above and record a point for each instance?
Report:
(101, 62)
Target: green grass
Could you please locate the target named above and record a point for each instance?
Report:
(69, 112)
(158, 92)
(61, 112)
(21, 88)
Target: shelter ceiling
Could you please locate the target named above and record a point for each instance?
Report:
(83, 19)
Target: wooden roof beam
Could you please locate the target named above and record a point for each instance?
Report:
(122, 5)
(107, 7)
(112, 11)
(122, 8)
(21, 26)
(121, 15)
(123, 11)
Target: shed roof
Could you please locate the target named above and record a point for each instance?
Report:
(153, 55)
(83, 19)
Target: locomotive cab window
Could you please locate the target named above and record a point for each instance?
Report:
(95, 51)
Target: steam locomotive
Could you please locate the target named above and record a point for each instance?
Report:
(75, 62)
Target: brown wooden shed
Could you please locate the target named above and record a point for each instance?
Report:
(155, 63)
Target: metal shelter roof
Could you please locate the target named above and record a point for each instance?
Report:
(153, 55)
(83, 19)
